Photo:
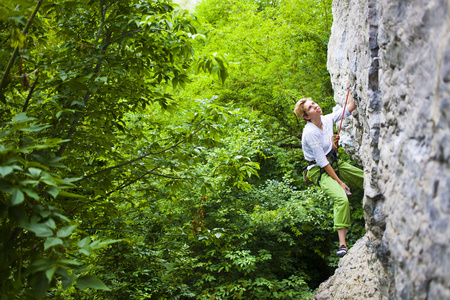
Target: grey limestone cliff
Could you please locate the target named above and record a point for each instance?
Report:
(396, 55)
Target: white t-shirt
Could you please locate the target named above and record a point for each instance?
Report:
(316, 143)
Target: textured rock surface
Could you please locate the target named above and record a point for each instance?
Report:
(397, 56)
(361, 268)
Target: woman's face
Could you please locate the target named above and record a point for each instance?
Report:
(312, 109)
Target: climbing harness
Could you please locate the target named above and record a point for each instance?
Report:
(331, 156)
(333, 159)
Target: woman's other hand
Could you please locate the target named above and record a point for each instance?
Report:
(346, 188)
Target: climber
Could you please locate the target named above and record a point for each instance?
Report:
(324, 170)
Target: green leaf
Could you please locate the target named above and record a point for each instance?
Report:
(41, 230)
(84, 242)
(45, 213)
(69, 262)
(63, 75)
(62, 217)
(6, 170)
(85, 247)
(54, 191)
(36, 128)
(35, 173)
(22, 117)
(31, 193)
(50, 223)
(49, 273)
(18, 214)
(66, 231)
(91, 282)
(51, 242)
(70, 180)
(67, 281)
(100, 244)
(86, 250)
(203, 191)
(174, 82)
(70, 195)
(17, 196)
(39, 283)
(30, 182)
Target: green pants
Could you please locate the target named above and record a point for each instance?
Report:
(352, 177)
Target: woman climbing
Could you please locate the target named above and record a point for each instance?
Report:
(324, 170)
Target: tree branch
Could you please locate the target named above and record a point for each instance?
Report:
(143, 156)
(133, 32)
(124, 185)
(167, 176)
(5, 41)
(124, 35)
(111, 229)
(130, 182)
(265, 58)
(61, 33)
(30, 93)
(16, 51)
(78, 115)
(72, 129)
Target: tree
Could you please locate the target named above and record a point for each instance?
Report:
(277, 52)
(72, 71)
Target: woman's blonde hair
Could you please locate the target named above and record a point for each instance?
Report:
(299, 110)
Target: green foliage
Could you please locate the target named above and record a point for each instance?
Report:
(37, 243)
(277, 52)
(75, 74)
(117, 184)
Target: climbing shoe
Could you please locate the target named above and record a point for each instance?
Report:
(342, 250)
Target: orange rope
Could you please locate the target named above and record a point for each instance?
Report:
(335, 137)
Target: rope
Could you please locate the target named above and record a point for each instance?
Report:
(335, 137)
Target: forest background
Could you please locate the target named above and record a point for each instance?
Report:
(150, 153)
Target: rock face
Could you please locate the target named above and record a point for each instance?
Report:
(397, 57)
(360, 276)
